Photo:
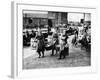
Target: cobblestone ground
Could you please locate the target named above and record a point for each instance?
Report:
(76, 58)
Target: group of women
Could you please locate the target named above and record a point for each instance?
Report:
(60, 45)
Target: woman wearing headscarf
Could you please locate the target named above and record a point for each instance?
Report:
(64, 48)
(41, 45)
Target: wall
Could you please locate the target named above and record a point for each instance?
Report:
(5, 38)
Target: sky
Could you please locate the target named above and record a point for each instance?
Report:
(75, 17)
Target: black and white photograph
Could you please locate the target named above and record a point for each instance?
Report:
(55, 39)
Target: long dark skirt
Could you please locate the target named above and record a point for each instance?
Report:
(64, 53)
